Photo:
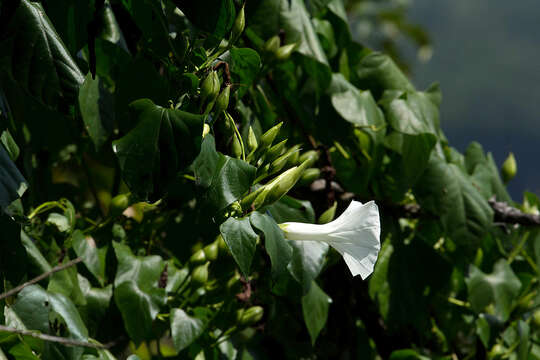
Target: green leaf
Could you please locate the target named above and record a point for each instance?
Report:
(97, 110)
(12, 183)
(143, 270)
(213, 16)
(378, 72)
(308, 259)
(245, 65)
(241, 240)
(35, 307)
(34, 255)
(412, 112)
(130, 301)
(499, 288)
(290, 209)
(163, 142)
(85, 247)
(276, 246)
(228, 178)
(407, 354)
(184, 329)
(10, 145)
(36, 58)
(59, 221)
(315, 306)
(358, 108)
(444, 189)
(297, 24)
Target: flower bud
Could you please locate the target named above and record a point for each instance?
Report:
(199, 276)
(236, 147)
(209, 88)
(119, 203)
(285, 52)
(250, 316)
(268, 137)
(198, 257)
(272, 45)
(309, 176)
(238, 26)
(275, 151)
(281, 161)
(222, 245)
(252, 140)
(311, 156)
(211, 251)
(328, 215)
(222, 101)
(274, 190)
(509, 168)
(233, 284)
(206, 130)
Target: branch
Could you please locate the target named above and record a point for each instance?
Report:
(56, 339)
(510, 215)
(40, 277)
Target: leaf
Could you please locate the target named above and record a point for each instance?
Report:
(315, 306)
(228, 178)
(130, 301)
(276, 246)
(35, 306)
(290, 209)
(12, 183)
(85, 247)
(444, 189)
(36, 58)
(245, 65)
(378, 72)
(143, 270)
(358, 108)
(297, 25)
(412, 113)
(10, 145)
(163, 142)
(213, 16)
(59, 221)
(184, 329)
(241, 240)
(97, 110)
(499, 288)
(307, 261)
(407, 354)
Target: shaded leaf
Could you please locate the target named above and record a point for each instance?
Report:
(184, 329)
(315, 306)
(85, 247)
(241, 240)
(12, 183)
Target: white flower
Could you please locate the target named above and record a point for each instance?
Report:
(355, 235)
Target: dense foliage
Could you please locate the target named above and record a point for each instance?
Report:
(141, 140)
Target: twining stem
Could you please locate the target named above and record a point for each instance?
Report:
(56, 339)
(40, 277)
(518, 248)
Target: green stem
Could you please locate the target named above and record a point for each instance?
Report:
(518, 248)
(231, 120)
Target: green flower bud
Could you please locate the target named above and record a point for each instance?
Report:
(222, 245)
(309, 176)
(509, 168)
(363, 139)
(272, 44)
(247, 200)
(536, 319)
(275, 151)
(236, 147)
(328, 215)
(119, 203)
(268, 137)
(252, 140)
(281, 161)
(274, 190)
(285, 52)
(250, 316)
(311, 156)
(211, 251)
(233, 284)
(222, 101)
(239, 25)
(209, 88)
(206, 130)
(198, 257)
(199, 276)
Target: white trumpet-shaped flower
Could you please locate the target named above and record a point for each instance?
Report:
(355, 235)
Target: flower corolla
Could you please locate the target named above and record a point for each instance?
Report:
(355, 234)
